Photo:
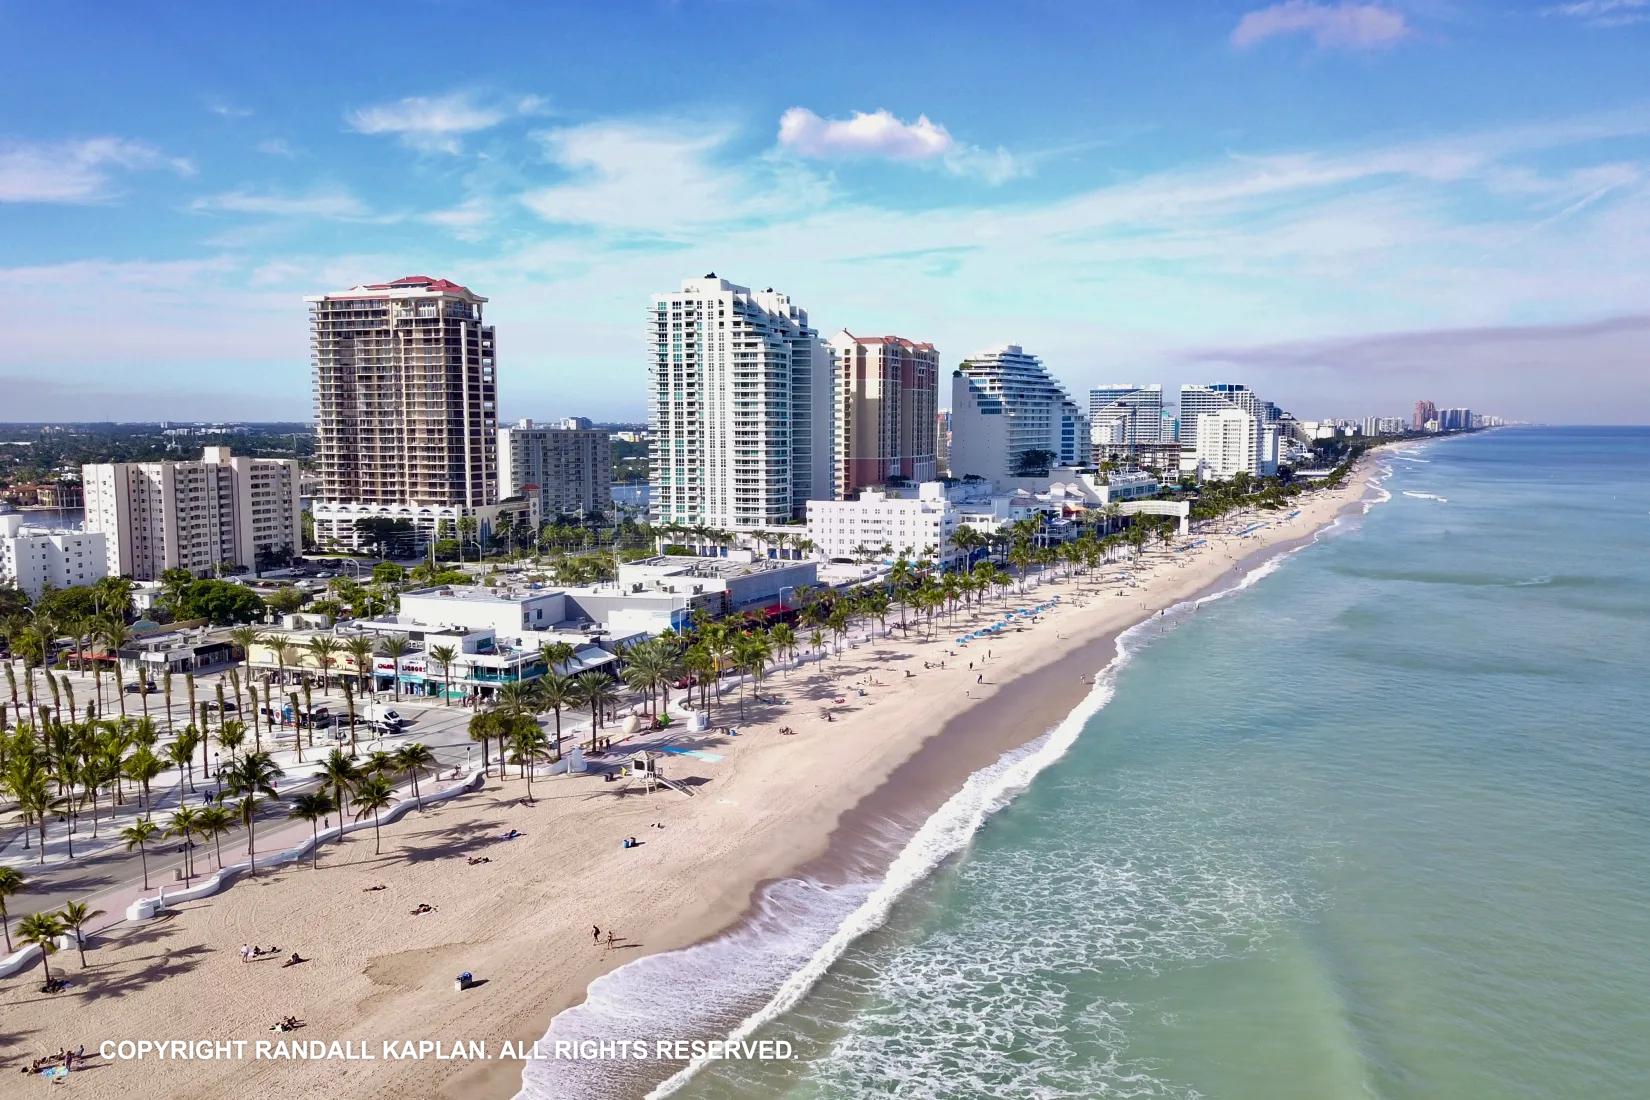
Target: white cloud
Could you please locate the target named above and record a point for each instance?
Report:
(276, 147)
(879, 134)
(1351, 26)
(225, 109)
(76, 171)
(662, 178)
(325, 203)
(437, 124)
(1604, 13)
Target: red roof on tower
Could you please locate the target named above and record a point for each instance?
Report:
(420, 280)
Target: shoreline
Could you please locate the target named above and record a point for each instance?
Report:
(771, 808)
(942, 762)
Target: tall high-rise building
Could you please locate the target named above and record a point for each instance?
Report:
(1424, 411)
(1229, 441)
(1005, 410)
(886, 398)
(1125, 415)
(565, 470)
(406, 407)
(223, 512)
(1454, 420)
(942, 442)
(1219, 397)
(739, 411)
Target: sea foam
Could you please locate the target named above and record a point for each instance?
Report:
(798, 928)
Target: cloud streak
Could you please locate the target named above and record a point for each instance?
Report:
(438, 124)
(77, 171)
(1345, 26)
(1604, 13)
(327, 203)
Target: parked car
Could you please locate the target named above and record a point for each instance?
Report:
(228, 705)
(145, 688)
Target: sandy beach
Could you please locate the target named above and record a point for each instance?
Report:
(771, 805)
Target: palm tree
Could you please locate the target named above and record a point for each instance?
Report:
(339, 773)
(180, 754)
(554, 654)
(42, 930)
(182, 825)
(73, 917)
(244, 638)
(528, 745)
(137, 835)
(324, 650)
(312, 806)
(555, 692)
(232, 735)
(13, 881)
(483, 724)
(446, 654)
(114, 634)
(361, 649)
(395, 647)
(595, 691)
(282, 650)
(252, 775)
(373, 794)
(413, 758)
(211, 823)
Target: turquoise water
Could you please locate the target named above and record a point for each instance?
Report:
(1377, 825)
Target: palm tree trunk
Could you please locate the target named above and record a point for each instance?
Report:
(143, 857)
(377, 839)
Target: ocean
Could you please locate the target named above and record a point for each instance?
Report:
(1374, 824)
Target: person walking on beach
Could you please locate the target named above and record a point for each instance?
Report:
(979, 678)
(246, 953)
(595, 934)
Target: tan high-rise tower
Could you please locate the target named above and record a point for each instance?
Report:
(887, 397)
(406, 407)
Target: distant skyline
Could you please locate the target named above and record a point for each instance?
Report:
(1346, 206)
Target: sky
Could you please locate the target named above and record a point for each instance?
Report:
(1348, 206)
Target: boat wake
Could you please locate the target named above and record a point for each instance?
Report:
(1426, 496)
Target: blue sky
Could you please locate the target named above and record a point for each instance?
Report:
(1346, 205)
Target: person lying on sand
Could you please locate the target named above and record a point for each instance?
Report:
(373, 889)
(293, 960)
(473, 860)
(423, 907)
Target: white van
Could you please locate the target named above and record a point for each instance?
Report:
(383, 716)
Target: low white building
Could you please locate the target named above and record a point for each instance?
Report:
(879, 526)
(33, 560)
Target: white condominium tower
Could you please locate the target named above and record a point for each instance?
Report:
(1126, 415)
(887, 399)
(1005, 408)
(406, 420)
(1197, 402)
(739, 409)
(207, 516)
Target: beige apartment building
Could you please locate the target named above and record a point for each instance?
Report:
(406, 407)
(887, 399)
(211, 516)
(567, 468)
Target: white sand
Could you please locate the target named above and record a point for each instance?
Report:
(522, 922)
